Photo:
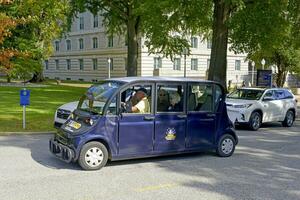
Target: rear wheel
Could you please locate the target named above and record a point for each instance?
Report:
(255, 121)
(93, 156)
(226, 146)
(289, 119)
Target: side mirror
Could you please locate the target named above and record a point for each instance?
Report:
(268, 98)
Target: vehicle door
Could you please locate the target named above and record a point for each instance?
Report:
(170, 118)
(201, 116)
(136, 129)
(281, 102)
(270, 106)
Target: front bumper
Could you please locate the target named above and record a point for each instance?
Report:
(61, 151)
(238, 116)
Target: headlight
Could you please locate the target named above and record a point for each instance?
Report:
(242, 106)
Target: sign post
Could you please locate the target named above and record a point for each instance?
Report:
(24, 101)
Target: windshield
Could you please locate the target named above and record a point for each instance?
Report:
(246, 94)
(96, 97)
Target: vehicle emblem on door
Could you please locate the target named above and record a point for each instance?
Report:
(170, 134)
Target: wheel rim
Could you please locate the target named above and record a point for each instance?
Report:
(227, 146)
(94, 157)
(256, 121)
(289, 118)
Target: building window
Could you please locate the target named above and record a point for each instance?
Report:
(95, 64)
(157, 62)
(208, 63)
(194, 42)
(57, 64)
(81, 23)
(46, 64)
(68, 64)
(96, 21)
(194, 64)
(237, 65)
(56, 45)
(81, 43)
(80, 64)
(209, 43)
(68, 45)
(95, 43)
(177, 64)
(110, 41)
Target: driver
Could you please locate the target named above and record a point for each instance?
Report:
(142, 105)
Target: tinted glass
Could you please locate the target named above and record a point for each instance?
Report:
(200, 97)
(288, 94)
(170, 98)
(279, 94)
(218, 96)
(246, 94)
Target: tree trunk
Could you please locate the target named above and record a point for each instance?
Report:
(281, 75)
(8, 79)
(218, 59)
(132, 48)
(37, 77)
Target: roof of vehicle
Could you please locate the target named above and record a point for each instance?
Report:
(158, 78)
(262, 88)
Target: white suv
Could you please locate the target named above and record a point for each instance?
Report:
(254, 106)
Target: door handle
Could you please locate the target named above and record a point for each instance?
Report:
(148, 118)
(211, 115)
(182, 116)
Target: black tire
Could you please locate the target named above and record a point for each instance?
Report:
(289, 119)
(93, 156)
(255, 121)
(226, 146)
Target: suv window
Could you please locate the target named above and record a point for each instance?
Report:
(279, 94)
(288, 94)
(200, 97)
(270, 93)
(170, 98)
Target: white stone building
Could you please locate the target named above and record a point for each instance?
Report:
(83, 55)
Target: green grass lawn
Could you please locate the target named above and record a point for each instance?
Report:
(40, 113)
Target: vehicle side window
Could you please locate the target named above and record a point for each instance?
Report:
(112, 108)
(288, 94)
(137, 99)
(279, 94)
(200, 98)
(170, 98)
(269, 93)
(218, 97)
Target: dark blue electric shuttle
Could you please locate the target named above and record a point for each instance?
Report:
(136, 117)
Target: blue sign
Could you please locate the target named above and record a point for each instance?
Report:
(24, 97)
(264, 78)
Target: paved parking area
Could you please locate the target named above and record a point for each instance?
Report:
(266, 165)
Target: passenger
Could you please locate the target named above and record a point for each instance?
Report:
(174, 102)
(142, 106)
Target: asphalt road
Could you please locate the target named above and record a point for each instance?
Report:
(266, 165)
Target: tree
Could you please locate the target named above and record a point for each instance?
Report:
(119, 17)
(42, 21)
(269, 30)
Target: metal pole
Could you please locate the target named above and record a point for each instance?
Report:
(184, 65)
(109, 61)
(252, 81)
(24, 117)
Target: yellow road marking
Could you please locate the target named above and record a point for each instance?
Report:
(156, 187)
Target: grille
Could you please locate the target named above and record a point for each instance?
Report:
(63, 114)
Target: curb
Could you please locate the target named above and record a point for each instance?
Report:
(26, 133)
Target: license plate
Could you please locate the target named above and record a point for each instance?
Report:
(74, 124)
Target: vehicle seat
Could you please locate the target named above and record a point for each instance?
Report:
(192, 102)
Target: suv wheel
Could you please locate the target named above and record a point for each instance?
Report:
(226, 146)
(93, 156)
(255, 121)
(289, 119)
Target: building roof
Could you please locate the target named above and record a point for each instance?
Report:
(157, 78)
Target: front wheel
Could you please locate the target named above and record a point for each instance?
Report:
(226, 146)
(93, 156)
(289, 119)
(255, 121)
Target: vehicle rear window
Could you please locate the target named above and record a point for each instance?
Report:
(288, 94)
